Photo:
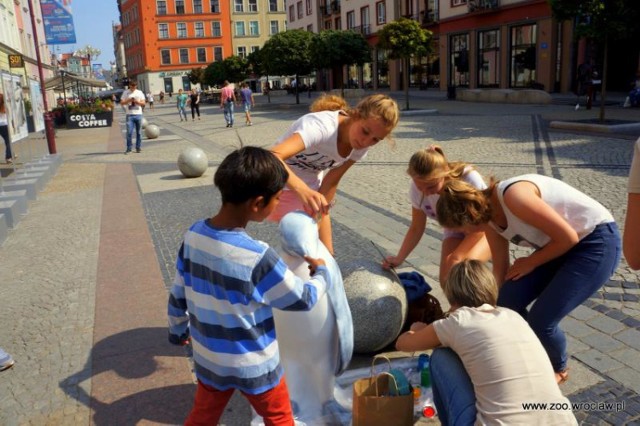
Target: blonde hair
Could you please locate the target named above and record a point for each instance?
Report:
(378, 106)
(328, 102)
(462, 204)
(471, 283)
(430, 162)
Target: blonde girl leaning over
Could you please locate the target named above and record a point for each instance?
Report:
(322, 145)
(429, 170)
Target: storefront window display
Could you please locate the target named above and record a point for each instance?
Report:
(489, 58)
(523, 55)
(459, 63)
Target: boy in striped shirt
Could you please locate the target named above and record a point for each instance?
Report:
(225, 288)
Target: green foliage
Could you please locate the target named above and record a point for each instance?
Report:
(288, 53)
(334, 49)
(404, 38)
(599, 19)
(233, 69)
(196, 75)
(256, 63)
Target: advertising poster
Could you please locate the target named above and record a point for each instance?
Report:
(14, 102)
(37, 105)
(98, 72)
(58, 21)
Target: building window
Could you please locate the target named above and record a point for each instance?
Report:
(365, 21)
(458, 2)
(338, 22)
(489, 58)
(186, 83)
(273, 27)
(168, 84)
(180, 7)
(215, 6)
(197, 6)
(459, 60)
(299, 9)
(240, 28)
(254, 28)
(238, 6)
(163, 30)
(254, 49)
(216, 30)
(242, 51)
(182, 29)
(351, 20)
(202, 54)
(217, 54)
(184, 56)
(292, 14)
(166, 56)
(161, 7)
(273, 5)
(523, 55)
(327, 24)
(253, 5)
(381, 13)
(199, 29)
(308, 7)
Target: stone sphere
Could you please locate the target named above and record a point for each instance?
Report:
(192, 162)
(144, 123)
(378, 304)
(152, 131)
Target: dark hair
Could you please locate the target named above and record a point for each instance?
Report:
(248, 173)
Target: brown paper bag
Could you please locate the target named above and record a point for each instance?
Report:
(372, 405)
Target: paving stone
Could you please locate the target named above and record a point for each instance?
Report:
(598, 361)
(602, 342)
(605, 324)
(629, 356)
(575, 328)
(583, 313)
(628, 376)
(630, 337)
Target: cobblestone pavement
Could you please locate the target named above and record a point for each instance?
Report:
(372, 204)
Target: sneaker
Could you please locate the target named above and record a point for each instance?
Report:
(5, 360)
(249, 124)
(228, 125)
(138, 150)
(127, 152)
(9, 161)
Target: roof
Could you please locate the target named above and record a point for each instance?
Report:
(55, 83)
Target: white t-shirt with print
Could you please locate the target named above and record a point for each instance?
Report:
(427, 203)
(138, 96)
(319, 132)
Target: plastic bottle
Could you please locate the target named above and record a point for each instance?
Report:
(427, 406)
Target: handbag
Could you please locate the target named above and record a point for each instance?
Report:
(378, 400)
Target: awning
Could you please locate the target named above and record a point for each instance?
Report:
(55, 83)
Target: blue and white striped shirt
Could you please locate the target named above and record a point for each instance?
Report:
(225, 287)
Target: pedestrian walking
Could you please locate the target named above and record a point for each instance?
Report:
(575, 238)
(194, 103)
(429, 170)
(181, 104)
(150, 100)
(320, 147)
(161, 97)
(246, 95)
(132, 100)
(228, 310)
(227, 102)
(4, 131)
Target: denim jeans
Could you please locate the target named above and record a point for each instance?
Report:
(182, 111)
(228, 112)
(453, 392)
(134, 122)
(562, 284)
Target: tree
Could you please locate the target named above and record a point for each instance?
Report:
(232, 69)
(405, 39)
(258, 66)
(334, 49)
(196, 75)
(602, 22)
(289, 53)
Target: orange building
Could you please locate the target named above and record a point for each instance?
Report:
(165, 39)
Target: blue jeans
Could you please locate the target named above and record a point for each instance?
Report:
(561, 285)
(228, 112)
(453, 392)
(134, 122)
(182, 112)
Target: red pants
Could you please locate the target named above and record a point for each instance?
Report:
(273, 405)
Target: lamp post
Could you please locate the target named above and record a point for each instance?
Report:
(48, 120)
(89, 51)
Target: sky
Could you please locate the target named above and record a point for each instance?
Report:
(93, 20)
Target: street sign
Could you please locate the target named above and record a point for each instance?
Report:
(16, 61)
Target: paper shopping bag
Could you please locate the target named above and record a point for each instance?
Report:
(373, 404)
